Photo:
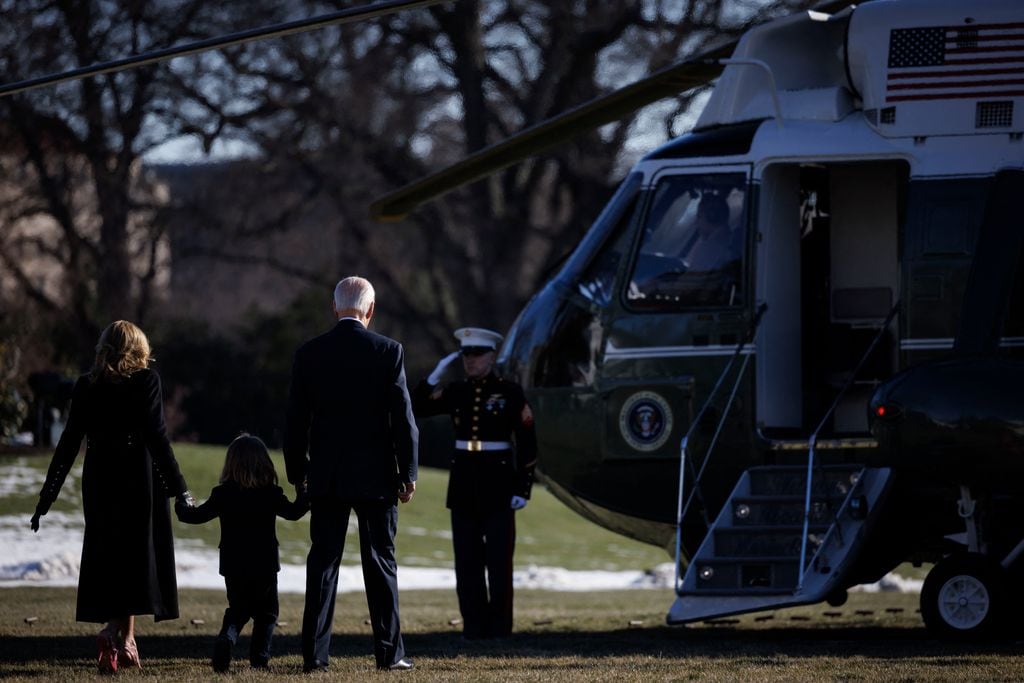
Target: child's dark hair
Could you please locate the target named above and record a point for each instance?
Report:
(248, 463)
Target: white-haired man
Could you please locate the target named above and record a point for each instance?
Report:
(351, 443)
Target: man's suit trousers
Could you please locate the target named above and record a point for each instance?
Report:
(378, 522)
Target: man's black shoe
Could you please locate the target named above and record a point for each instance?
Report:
(403, 664)
(314, 666)
(221, 655)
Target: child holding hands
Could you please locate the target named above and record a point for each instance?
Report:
(247, 501)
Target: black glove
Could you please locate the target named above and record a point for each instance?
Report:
(42, 507)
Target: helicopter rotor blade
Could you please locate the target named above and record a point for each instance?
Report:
(668, 82)
(345, 16)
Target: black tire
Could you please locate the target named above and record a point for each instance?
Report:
(837, 598)
(965, 597)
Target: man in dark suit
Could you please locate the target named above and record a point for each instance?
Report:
(349, 408)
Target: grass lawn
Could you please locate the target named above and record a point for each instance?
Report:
(612, 635)
(548, 533)
(606, 636)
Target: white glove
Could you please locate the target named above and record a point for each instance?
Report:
(518, 502)
(435, 377)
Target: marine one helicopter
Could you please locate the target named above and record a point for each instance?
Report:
(789, 348)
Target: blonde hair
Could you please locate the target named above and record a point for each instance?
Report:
(122, 350)
(248, 463)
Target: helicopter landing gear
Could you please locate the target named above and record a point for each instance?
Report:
(965, 597)
(837, 598)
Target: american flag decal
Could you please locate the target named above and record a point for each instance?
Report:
(970, 61)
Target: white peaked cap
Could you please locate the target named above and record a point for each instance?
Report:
(478, 336)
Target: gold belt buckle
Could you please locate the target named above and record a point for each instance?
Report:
(475, 445)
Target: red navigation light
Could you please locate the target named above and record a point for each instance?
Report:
(880, 411)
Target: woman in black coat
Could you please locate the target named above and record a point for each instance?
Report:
(129, 473)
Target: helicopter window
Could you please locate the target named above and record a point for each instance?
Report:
(599, 278)
(692, 245)
(620, 205)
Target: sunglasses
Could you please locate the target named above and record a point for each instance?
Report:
(475, 351)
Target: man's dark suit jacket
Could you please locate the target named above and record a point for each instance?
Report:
(248, 538)
(349, 409)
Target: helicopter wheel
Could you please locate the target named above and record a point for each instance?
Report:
(837, 598)
(965, 597)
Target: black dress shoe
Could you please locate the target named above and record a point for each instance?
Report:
(222, 655)
(403, 664)
(314, 666)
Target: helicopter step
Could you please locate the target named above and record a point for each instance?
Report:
(750, 558)
(751, 511)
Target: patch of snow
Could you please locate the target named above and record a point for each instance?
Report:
(51, 558)
(56, 570)
(891, 583)
(420, 531)
(21, 480)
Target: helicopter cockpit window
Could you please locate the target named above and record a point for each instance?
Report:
(691, 250)
(598, 279)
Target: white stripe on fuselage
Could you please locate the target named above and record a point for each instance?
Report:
(612, 352)
(926, 344)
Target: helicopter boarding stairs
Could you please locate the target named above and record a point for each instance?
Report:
(759, 555)
(787, 535)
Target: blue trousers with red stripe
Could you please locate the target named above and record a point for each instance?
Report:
(484, 542)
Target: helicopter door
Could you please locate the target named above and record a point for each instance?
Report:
(828, 268)
(681, 309)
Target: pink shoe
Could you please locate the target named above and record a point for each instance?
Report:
(128, 655)
(106, 660)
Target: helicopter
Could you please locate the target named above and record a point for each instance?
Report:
(789, 349)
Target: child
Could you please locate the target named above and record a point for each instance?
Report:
(247, 501)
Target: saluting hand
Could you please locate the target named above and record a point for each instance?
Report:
(435, 377)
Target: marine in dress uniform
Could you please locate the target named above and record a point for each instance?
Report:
(491, 475)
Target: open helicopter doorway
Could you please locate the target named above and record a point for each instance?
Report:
(828, 268)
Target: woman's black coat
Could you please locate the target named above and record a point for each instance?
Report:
(128, 475)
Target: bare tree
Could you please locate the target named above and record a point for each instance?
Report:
(77, 235)
(354, 112)
(333, 119)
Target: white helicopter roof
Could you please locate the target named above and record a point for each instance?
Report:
(915, 67)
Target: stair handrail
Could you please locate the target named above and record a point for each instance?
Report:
(812, 442)
(681, 508)
(681, 512)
